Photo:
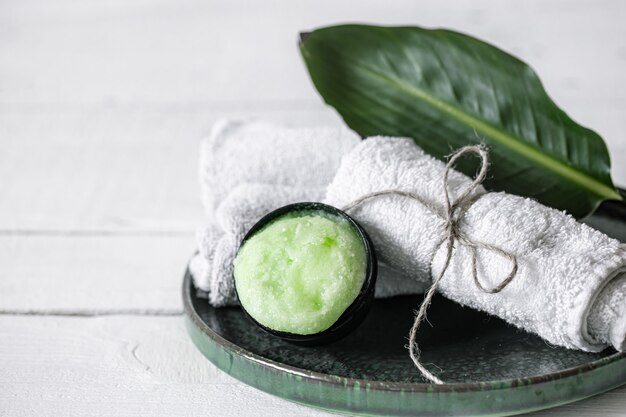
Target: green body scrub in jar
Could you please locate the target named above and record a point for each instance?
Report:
(306, 273)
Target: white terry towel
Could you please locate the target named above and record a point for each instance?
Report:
(218, 242)
(570, 284)
(253, 155)
(237, 152)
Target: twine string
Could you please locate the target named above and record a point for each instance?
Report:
(453, 211)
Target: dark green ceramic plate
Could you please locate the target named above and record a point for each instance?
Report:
(491, 368)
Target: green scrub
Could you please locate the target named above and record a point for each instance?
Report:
(301, 272)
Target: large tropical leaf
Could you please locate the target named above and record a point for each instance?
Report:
(445, 90)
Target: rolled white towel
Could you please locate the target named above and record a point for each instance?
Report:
(237, 152)
(248, 169)
(569, 285)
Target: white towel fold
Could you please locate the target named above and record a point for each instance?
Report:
(607, 317)
(570, 286)
(237, 152)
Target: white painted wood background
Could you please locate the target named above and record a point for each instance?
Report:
(102, 105)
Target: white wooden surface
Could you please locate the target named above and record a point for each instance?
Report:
(102, 104)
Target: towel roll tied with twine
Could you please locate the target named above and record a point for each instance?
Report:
(533, 266)
(452, 212)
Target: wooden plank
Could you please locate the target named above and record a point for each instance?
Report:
(122, 366)
(138, 51)
(112, 169)
(146, 366)
(102, 171)
(93, 274)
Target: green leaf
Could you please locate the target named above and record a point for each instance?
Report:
(446, 90)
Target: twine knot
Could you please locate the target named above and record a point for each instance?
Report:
(453, 212)
(452, 227)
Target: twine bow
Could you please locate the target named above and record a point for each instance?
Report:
(453, 211)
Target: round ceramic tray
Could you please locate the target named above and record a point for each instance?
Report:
(490, 368)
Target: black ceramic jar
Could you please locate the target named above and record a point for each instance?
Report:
(355, 312)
